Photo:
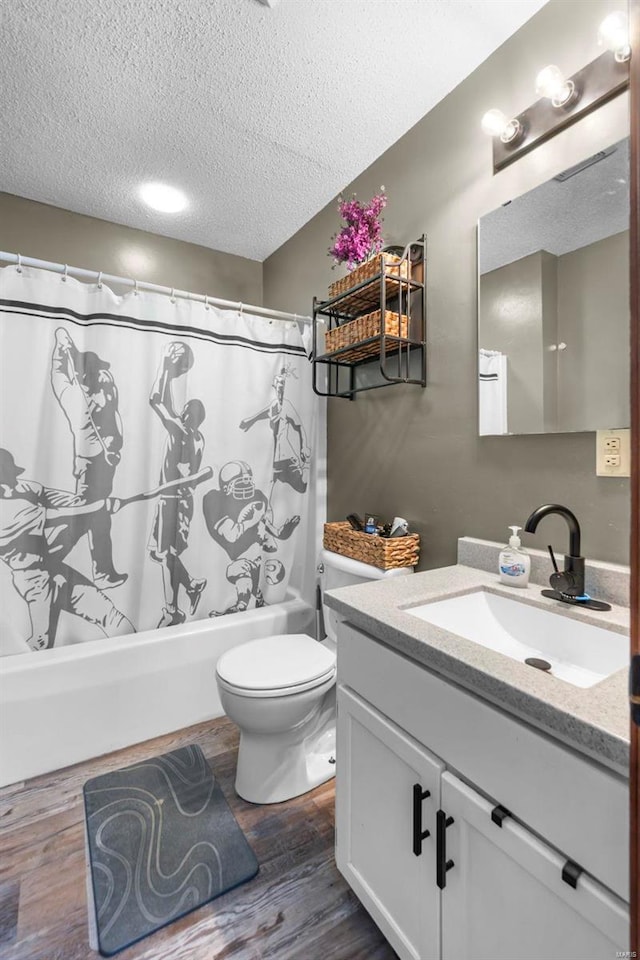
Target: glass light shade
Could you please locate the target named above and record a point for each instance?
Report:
(162, 197)
(614, 35)
(496, 124)
(551, 83)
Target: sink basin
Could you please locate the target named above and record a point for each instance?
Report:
(578, 652)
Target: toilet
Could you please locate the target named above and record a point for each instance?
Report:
(281, 693)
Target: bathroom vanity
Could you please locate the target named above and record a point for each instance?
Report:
(482, 806)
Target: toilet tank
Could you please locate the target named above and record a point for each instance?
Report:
(338, 571)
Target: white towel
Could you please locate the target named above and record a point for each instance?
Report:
(492, 391)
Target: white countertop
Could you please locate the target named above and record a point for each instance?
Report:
(593, 720)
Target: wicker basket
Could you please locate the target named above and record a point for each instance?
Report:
(362, 328)
(383, 262)
(383, 552)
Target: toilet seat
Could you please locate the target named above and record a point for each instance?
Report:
(276, 666)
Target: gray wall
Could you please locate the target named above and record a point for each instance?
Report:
(513, 320)
(49, 233)
(550, 338)
(416, 452)
(593, 320)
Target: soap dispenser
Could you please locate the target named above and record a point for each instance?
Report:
(515, 563)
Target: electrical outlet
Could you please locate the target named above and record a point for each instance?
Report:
(613, 453)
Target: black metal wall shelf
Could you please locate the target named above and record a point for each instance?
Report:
(398, 350)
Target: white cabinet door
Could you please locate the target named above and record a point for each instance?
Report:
(387, 795)
(505, 898)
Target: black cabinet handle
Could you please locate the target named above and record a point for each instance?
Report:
(418, 833)
(442, 864)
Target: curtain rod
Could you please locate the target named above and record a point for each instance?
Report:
(99, 277)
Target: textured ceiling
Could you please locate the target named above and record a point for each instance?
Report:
(560, 216)
(260, 115)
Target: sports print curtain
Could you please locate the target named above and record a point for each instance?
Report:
(154, 460)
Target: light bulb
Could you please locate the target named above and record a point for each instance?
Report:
(614, 35)
(496, 124)
(551, 83)
(162, 197)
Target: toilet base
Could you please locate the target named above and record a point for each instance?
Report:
(274, 768)
(292, 776)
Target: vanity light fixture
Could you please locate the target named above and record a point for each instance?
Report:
(563, 100)
(614, 35)
(552, 83)
(495, 123)
(162, 197)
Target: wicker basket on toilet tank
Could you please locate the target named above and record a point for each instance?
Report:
(383, 552)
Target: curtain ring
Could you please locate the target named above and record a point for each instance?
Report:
(66, 273)
(99, 281)
(206, 303)
(173, 295)
(241, 308)
(135, 288)
(19, 264)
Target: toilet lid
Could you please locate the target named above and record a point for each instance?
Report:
(273, 663)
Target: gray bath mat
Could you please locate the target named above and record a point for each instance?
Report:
(162, 841)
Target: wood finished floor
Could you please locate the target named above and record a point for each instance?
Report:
(297, 908)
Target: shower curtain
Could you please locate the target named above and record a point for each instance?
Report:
(155, 457)
(492, 392)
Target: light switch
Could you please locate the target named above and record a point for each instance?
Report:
(613, 453)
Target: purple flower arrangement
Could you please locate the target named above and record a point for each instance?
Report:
(361, 236)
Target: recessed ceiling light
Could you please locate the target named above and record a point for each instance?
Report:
(162, 197)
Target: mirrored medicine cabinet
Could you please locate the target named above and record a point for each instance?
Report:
(553, 303)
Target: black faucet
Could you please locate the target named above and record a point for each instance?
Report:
(568, 584)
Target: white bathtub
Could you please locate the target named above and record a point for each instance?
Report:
(58, 707)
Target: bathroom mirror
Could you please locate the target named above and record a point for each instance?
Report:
(553, 303)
